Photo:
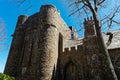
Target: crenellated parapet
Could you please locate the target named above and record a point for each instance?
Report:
(73, 49)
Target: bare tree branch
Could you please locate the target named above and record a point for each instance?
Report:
(77, 10)
(101, 1)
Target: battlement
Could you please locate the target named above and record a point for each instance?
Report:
(73, 48)
(88, 20)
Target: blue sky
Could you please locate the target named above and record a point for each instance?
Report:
(9, 13)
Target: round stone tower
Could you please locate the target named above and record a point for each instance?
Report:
(49, 53)
(15, 50)
(49, 47)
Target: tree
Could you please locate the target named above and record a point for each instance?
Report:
(92, 6)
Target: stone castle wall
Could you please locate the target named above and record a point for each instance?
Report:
(42, 49)
(74, 56)
(38, 53)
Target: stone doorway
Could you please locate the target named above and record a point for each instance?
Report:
(70, 71)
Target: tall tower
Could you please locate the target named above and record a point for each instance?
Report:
(89, 27)
(16, 47)
(49, 50)
(40, 49)
(89, 33)
(97, 61)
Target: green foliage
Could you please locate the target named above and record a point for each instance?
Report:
(6, 77)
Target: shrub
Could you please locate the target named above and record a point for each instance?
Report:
(6, 77)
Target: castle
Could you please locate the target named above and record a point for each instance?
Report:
(45, 48)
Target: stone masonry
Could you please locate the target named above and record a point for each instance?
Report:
(45, 48)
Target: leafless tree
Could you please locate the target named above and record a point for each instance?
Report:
(91, 7)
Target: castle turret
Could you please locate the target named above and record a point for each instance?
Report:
(48, 49)
(51, 15)
(89, 27)
(15, 50)
(49, 53)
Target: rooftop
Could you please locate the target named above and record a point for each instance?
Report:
(79, 41)
(115, 40)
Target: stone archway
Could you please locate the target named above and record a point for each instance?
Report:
(70, 71)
